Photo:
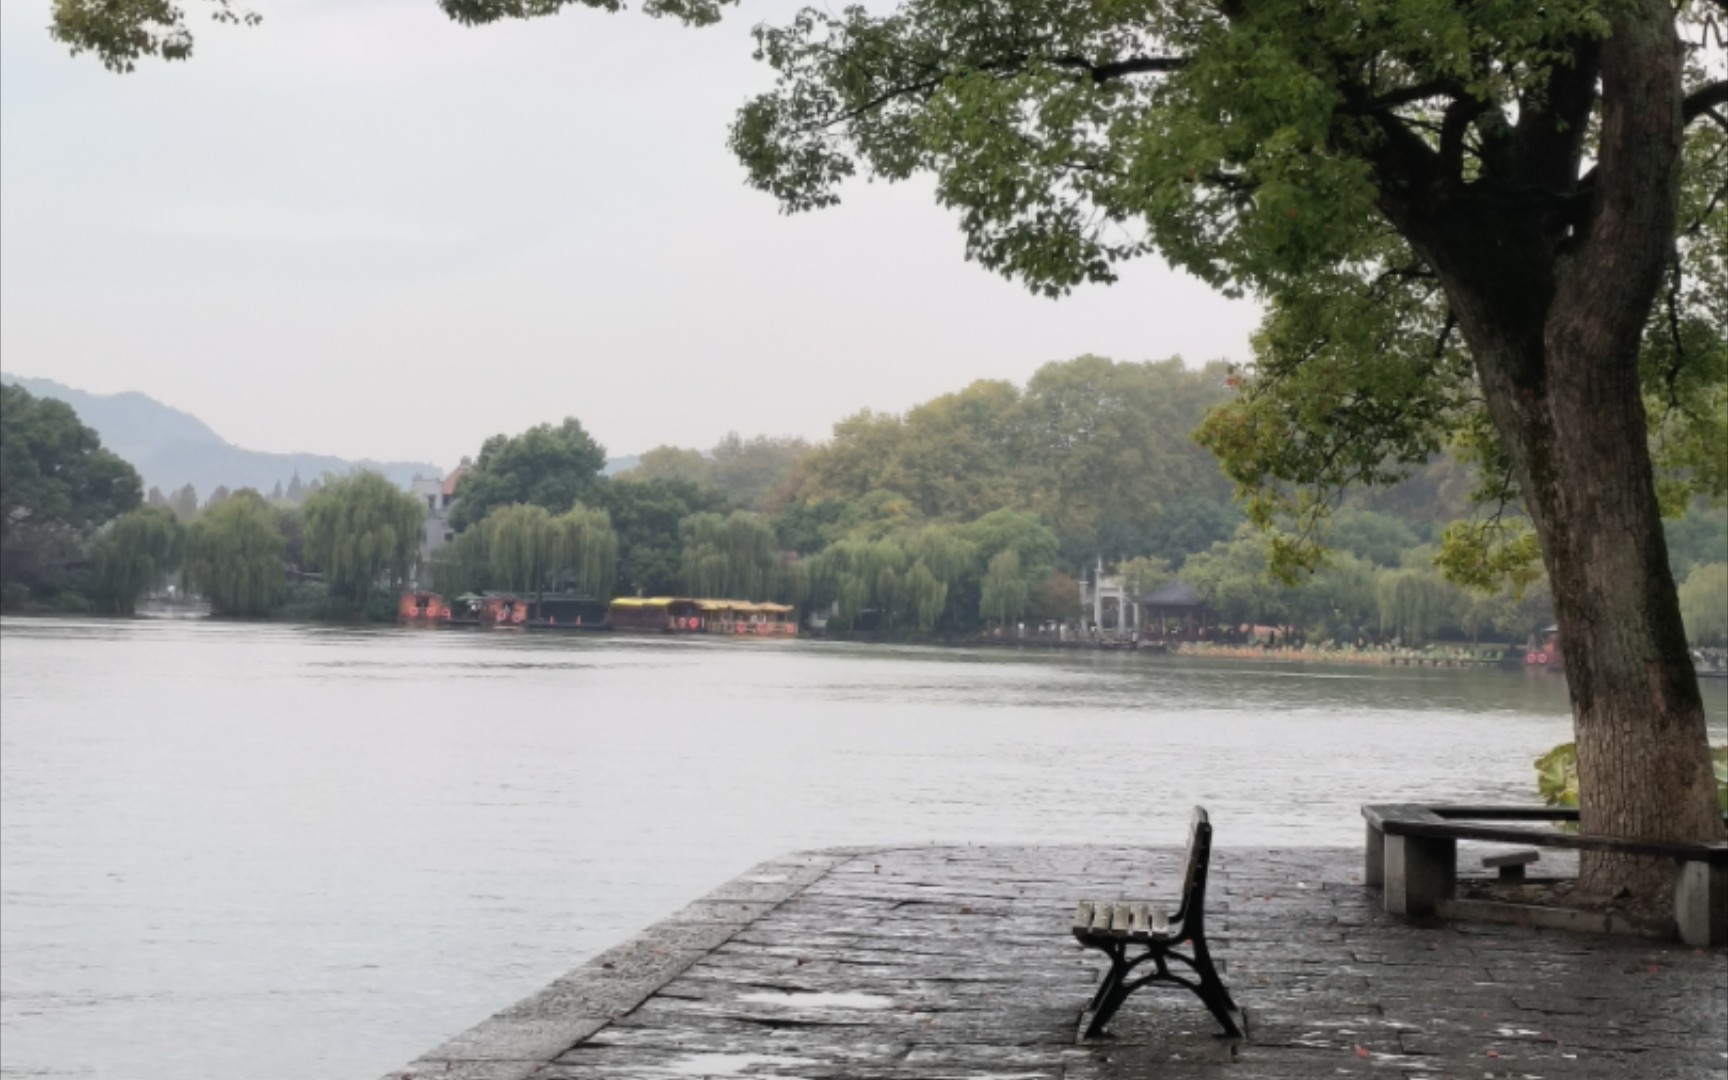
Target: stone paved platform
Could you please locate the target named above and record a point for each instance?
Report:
(955, 962)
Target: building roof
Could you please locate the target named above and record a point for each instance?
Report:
(455, 476)
(1174, 594)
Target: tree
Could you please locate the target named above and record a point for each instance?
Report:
(1414, 603)
(523, 543)
(1459, 216)
(234, 556)
(751, 472)
(56, 484)
(546, 466)
(217, 497)
(1189, 524)
(671, 463)
(646, 516)
(132, 554)
(587, 553)
(290, 521)
(1004, 589)
(732, 556)
(361, 530)
(154, 497)
(184, 503)
(1380, 538)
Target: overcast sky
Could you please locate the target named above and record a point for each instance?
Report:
(364, 230)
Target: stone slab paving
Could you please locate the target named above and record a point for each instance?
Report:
(956, 962)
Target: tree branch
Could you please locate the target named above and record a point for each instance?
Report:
(1116, 69)
(1433, 88)
(1704, 99)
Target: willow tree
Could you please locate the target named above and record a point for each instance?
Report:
(362, 531)
(1003, 592)
(133, 553)
(234, 556)
(586, 550)
(522, 542)
(732, 556)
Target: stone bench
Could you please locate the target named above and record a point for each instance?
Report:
(1412, 854)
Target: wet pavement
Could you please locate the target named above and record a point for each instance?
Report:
(939, 962)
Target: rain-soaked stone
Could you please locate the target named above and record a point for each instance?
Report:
(956, 962)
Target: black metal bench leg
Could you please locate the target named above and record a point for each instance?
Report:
(1214, 994)
(1110, 998)
(1110, 979)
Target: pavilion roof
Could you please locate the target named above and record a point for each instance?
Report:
(1174, 594)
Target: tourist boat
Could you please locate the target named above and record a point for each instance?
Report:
(682, 615)
(421, 607)
(1546, 652)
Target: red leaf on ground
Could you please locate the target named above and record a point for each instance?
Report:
(1361, 1051)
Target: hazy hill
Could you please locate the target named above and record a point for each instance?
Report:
(170, 448)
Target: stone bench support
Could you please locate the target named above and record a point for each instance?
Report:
(1701, 903)
(1412, 854)
(1419, 873)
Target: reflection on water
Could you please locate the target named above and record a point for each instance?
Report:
(291, 852)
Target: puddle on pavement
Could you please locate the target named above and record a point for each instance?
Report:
(729, 1064)
(820, 1001)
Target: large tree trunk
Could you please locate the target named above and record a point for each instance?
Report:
(1554, 316)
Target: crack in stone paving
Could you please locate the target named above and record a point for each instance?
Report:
(932, 962)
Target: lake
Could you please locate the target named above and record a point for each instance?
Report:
(288, 852)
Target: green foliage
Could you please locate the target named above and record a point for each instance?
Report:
(1096, 448)
(1144, 574)
(234, 556)
(1557, 776)
(184, 502)
(122, 32)
(751, 472)
(670, 463)
(646, 516)
(57, 483)
(809, 527)
(362, 532)
(1699, 536)
(1415, 603)
(546, 466)
(586, 551)
(1191, 523)
(132, 554)
(732, 557)
(523, 548)
(1704, 604)
(1379, 538)
(1004, 593)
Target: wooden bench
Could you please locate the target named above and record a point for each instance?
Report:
(1412, 854)
(1130, 934)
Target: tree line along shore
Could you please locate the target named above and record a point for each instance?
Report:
(977, 509)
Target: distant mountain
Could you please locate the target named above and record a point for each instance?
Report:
(616, 465)
(170, 448)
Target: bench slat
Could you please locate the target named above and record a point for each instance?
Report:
(1120, 917)
(1083, 917)
(1141, 921)
(1101, 919)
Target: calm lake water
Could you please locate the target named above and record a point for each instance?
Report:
(292, 852)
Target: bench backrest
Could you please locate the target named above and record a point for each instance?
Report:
(1191, 911)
